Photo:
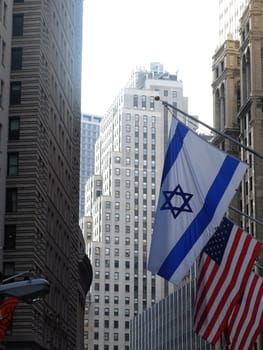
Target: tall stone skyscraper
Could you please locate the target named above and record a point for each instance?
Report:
(238, 111)
(41, 231)
(122, 197)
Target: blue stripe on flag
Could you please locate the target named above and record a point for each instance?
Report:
(202, 220)
(174, 148)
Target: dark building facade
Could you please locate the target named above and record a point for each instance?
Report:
(41, 233)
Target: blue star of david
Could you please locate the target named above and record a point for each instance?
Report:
(177, 201)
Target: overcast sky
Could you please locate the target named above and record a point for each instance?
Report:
(120, 35)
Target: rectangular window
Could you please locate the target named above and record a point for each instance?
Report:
(16, 58)
(13, 128)
(1, 93)
(10, 237)
(151, 102)
(12, 164)
(11, 200)
(5, 13)
(135, 101)
(3, 52)
(15, 93)
(143, 101)
(18, 24)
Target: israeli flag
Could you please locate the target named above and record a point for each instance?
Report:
(198, 184)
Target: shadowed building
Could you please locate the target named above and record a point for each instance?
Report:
(42, 234)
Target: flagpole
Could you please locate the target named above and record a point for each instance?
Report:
(166, 104)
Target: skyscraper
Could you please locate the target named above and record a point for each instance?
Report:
(5, 51)
(238, 110)
(90, 127)
(42, 234)
(121, 202)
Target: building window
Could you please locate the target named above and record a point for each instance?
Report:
(10, 237)
(1, 93)
(116, 336)
(165, 92)
(18, 24)
(3, 52)
(107, 251)
(116, 299)
(116, 312)
(135, 100)
(106, 311)
(15, 93)
(13, 128)
(152, 102)
(143, 101)
(106, 336)
(16, 58)
(12, 164)
(11, 200)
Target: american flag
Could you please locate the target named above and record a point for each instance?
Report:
(223, 271)
(7, 309)
(246, 321)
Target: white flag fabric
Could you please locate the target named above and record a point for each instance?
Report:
(198, 184)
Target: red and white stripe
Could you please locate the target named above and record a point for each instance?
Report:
(219, 287)
(246, 321)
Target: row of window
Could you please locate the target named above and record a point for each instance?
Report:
(106, 347)
(137, 118)
(107, 324)
(143, 101)
(107, 336)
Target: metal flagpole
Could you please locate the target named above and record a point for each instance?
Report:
(166, 104)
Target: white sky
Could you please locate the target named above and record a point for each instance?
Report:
(120, 35)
